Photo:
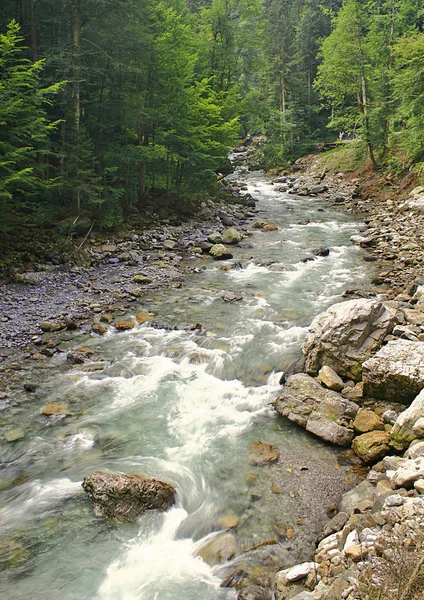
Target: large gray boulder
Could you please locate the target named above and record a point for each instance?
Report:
(122, 497)
(407, 426)
(323, 412)
(396, 372)
(346, 335)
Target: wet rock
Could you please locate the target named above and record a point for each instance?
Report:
(345, 335)
(321, 252)
(53, 409)
(13, 435)
(221, 549)
(76, 357)
(124, 325)
(321, 411)
(99, 328)
(329, 379)
(367, 420)
(220, 252)
(30, 387)
(260, 454)
(396, 372)
(298, 366)
(123, 497)
(13, 554)
(269, 227)
(231, 236)
(372, 446)
(143, 317)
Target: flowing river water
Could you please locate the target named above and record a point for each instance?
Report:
(179, 405)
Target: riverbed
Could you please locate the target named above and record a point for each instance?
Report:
(181, 402)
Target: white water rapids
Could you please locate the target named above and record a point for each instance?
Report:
(178, 405)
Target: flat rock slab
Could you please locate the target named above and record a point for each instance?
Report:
(396, 372)
(323, 412)
(123, 497)
(346, 335)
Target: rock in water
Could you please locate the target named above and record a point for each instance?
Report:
(261, 454)
(346, 335)
(123, 497)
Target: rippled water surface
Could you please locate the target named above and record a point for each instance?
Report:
(179, 405)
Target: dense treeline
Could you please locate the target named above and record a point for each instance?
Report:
(105, 105)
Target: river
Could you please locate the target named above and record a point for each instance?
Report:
(177, 404)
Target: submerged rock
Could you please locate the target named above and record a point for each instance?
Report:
(221, 549)
(260, 454)
(123, 497)
(346, 335)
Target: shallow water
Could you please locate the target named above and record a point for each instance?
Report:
(178, 405)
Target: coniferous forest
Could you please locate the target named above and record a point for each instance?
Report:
(107, 105)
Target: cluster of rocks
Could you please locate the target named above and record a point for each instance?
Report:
(363, 363)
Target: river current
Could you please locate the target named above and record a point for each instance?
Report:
(180, 405)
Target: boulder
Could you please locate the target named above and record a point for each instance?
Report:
(396, 372)
(261, 454)
(231, 236)
(55, 409)
(329, 379)
(346, 335)
(124, 325)
(215, 238)
(297, 572)
(323, 412)
(98, 328)
(367, 420)
(220, 252)
(405, 428)
(372, 446)
(123, 497)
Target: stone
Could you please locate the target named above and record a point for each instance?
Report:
(228, 521)
(47, 326)
(396, 372)
(346, 335)
(419, 486)
(220, 252)
(297, 572)
(355, 392)
(363, 492)
(98, 328)
(13, 435)
(53, 409)
(231, 236)
(215, 238)
(221, 549)
(418, 428)
(409, 472)
(123, 497)
(142, 279)
(356, 552)
(169, 244)
(143, 317)
(269, 227)
(321, 411)
(261, 454)
(124, 325)
(414, 450)
(360, 240)
(367, 420)
(372, 446)
(329, 378)
(403, 430)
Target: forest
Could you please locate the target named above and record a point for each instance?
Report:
(108, 105)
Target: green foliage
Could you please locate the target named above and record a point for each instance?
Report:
(24, 126)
